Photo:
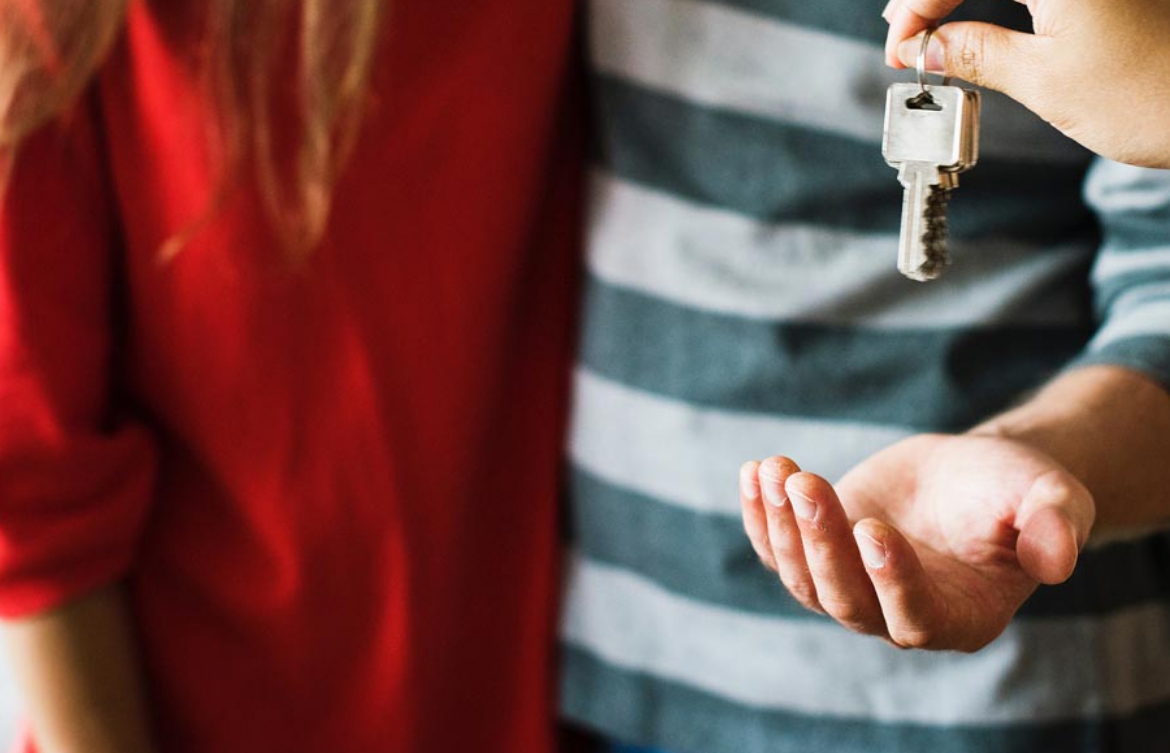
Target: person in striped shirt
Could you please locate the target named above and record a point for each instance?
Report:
(742, 302)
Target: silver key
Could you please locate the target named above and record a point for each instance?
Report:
(931, 135)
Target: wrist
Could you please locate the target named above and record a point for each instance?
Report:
(1107, 426)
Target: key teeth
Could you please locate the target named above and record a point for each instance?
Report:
(934, 239)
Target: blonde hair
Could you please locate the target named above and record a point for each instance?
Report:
(50, 50)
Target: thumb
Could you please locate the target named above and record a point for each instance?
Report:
(1053, 521)
(983, 54)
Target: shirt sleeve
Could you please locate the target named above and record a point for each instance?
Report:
(1131, 276)
(76, 470)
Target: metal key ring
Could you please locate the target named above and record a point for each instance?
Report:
(922, 62)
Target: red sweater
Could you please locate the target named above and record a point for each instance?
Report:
(331, 490)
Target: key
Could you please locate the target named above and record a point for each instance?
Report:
(931, 135)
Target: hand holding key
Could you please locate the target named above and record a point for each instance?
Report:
(932, 543)
(1095, 69)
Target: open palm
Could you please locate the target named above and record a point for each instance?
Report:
(934, 542)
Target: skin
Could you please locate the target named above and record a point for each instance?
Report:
(965, 527)
(937, 541)
(78, 670)
(1094, 69)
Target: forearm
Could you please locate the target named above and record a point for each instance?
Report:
(78, 669)
(1111, 428)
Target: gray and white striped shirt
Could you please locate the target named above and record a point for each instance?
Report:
(742, 301)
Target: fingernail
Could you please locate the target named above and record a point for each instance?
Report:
(873, 552)
(886, 10)
(773, 489)
(803, 506)
(935, 57)
(749, 485)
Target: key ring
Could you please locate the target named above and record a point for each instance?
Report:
(922, 63)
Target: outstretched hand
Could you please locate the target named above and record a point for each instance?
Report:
(933, 543)
(1095, 69)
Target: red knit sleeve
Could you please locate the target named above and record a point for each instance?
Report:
(76, 472)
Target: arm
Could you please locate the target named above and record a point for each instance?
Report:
(76, 469)
(78, 669)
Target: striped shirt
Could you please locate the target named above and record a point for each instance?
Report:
(742, 301)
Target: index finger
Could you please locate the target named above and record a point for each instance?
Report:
(909, 17)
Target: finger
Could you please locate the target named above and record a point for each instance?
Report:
(910, 17)
(914, 614)
(755, 524)
(928, 11)
(983, 54)
(783, 534)
(842, 585)
(1054, 521)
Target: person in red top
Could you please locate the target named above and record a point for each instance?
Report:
(284, 482)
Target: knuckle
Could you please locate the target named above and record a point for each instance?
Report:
(848, 613)
(783, 536)
(803, 591)
(755, 530)
(786, 557)
(1055, 485)
(972, 60)
(912, 636)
